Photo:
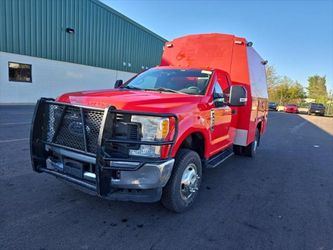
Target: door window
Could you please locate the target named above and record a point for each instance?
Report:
(218, 93)
(223, 80)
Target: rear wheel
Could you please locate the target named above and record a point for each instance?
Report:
(251, 149)
(183, 186)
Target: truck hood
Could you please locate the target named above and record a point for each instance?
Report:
(137, 100)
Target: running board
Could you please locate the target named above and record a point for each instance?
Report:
(219, 158)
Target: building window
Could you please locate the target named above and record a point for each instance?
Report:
(19, 72)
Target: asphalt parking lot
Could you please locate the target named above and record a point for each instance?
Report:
(282, 199)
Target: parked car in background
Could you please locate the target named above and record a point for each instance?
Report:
(272, 106)
(291, 108)
(280, 108)
(316, 108)
(303, 109)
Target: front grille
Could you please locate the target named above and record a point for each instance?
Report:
(65, 127)
(59, 126)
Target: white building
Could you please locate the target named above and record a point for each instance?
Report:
(51, 47)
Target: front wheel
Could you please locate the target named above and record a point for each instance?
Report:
(183, 186)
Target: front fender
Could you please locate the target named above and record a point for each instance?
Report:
(188, 127)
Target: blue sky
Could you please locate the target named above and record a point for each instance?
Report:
(296, 37)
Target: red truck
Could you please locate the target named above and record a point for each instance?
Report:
(149, 138)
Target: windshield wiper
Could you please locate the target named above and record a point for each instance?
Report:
(165, 90)
(130, 87)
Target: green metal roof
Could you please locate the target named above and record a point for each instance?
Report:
(102, 36)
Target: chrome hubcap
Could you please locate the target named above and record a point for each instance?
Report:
(255, 145)
(189, 182)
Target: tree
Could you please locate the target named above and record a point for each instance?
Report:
(329, 107)
(272, 81)
(317, 88)
(287, 91)
(296, 92)
(283, 89)
(281, 92)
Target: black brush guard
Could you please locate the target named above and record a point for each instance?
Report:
(91, 142)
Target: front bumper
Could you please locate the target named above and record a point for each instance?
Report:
(316, 111)
(149, 176)
(138, 179)
(290, 111)
(143, 185)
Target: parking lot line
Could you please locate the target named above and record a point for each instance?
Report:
(14, 140)
(14, 123)
(15, 113)
(297, 127)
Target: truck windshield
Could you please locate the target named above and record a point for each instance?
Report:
(185, 81)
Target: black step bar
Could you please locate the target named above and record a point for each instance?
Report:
(217, 159)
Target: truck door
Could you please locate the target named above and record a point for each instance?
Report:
(220, 119)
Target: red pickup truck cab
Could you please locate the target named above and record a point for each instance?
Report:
(149, 138)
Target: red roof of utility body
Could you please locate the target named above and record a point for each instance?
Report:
(209, 51)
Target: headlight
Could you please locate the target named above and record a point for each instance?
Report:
(153, 129)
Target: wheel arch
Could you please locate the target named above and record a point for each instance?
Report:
(194, 140)
(259, 126)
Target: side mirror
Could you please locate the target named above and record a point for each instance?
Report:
(118, 83)
(238, 96)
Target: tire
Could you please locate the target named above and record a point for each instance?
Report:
(238, 150)
(251, 149)
(182, 188)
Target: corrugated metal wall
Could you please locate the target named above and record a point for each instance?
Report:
(102, 37)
